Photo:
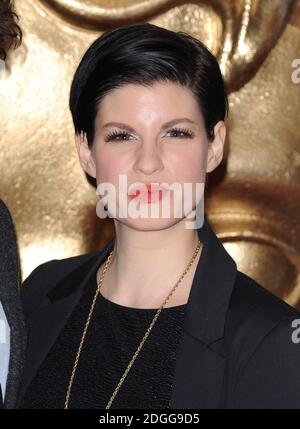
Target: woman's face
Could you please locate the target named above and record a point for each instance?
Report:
(134, 137)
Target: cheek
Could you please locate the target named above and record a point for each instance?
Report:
(109, 167)
(191, 167)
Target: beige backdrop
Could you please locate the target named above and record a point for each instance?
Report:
(253, 201)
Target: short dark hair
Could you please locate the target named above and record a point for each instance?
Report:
(144, 53)
(10, 32)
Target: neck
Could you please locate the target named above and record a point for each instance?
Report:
(146, 265)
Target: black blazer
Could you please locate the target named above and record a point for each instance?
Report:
(236, 348)
(10, 280)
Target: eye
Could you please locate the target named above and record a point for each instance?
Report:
(124, 135)
(181, 133)
(117, 136)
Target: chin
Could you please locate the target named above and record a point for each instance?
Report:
(149, 224)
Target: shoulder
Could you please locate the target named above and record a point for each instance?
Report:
(264, 336)
(6, 221)
(9, 254)
(249, 298)
(252, 314)
(3, 209)
(47, 275)
(254, 311)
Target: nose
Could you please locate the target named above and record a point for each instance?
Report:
(148, 159)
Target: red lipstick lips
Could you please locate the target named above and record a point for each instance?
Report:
(149, 193)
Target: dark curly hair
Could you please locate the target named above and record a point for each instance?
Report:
(10, 32)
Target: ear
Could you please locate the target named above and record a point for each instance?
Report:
(85, 154)
(216, 147)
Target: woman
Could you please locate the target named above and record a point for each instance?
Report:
(161, 318)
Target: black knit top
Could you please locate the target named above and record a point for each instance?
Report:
(114, 333)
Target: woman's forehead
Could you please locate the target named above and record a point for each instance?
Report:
(156, 106)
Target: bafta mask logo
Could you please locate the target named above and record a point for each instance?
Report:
(242, 31)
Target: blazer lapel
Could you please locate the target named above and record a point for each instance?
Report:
(53, 313)
(199, 367)
(198, 375)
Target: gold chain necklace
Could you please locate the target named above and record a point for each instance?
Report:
(99, 284)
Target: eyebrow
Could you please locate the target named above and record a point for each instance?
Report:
(164, 126)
